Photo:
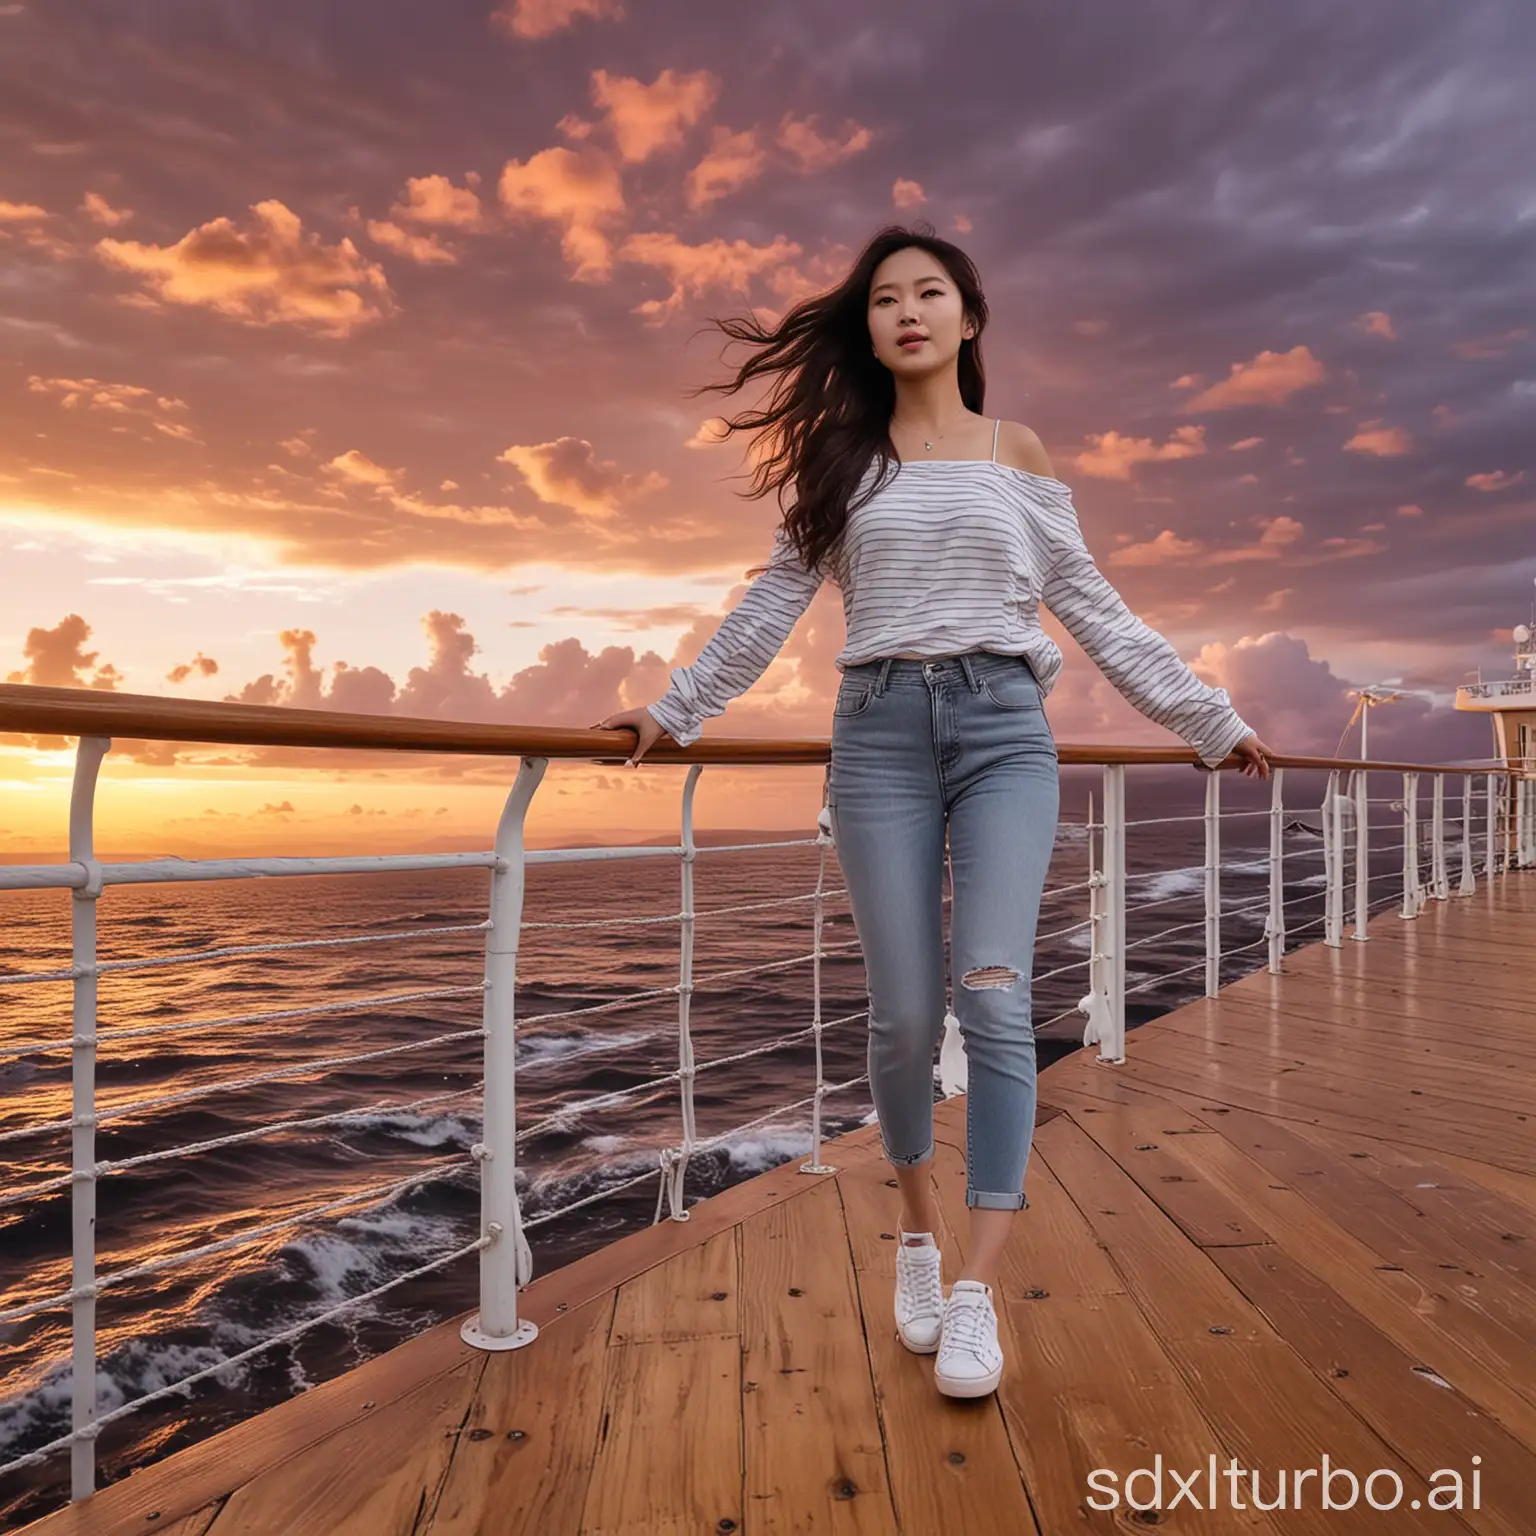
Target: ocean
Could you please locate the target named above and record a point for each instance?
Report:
(161, 1327)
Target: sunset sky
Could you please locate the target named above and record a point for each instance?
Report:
(345, 354)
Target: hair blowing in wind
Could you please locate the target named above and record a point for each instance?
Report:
(828, 409)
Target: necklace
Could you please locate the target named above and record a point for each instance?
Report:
(928, 442)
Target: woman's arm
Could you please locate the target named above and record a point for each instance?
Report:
(1134, 657)
(738, 653)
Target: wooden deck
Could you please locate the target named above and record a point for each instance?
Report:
(1297, 1221)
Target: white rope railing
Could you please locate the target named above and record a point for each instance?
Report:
(241, 952)
(1503, 825)
(227, 1021)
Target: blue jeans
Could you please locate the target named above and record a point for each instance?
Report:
(961, 742)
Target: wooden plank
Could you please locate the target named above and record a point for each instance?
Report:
(1324, 1086)
(1088, 1387)
(1228, 1018)
(1488, 1310)
(521, 1465)
(1519, 1188)
(693, 1294)
(1417, 1259)
(1424, 1418)
(1325, 1104)
(1497, 1231)
(1342, 997)
(185, 1482)
(951, 1464)
(195, 1524)
(1263, 1403)
(211, 1469)
(814, 1460)
(1144, 1145)
(375, 1476)
(668, 1459)
(1431, 1326)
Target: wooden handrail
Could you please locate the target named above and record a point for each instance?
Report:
(29, 710)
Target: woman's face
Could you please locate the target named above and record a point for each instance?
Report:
(916, 317)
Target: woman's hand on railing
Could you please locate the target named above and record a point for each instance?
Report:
(1253, 755)
(643, 723)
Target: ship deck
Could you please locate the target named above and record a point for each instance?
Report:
(1297, 1221)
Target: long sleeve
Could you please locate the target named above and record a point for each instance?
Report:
(738, 653)
(1133, 656)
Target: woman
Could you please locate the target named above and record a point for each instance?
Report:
(944, 530)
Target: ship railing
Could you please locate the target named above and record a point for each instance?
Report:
(1512, 688)
(1455, 822)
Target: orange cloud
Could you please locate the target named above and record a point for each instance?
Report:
(1410, 510)
(1375, 322)
(118, 399)
(1271, 378)
(21, 213)
(1340, 548)
(99, 209)
(204, 666)
(645, 119)
(542, 18)
(359, 469)
(1279, 533)
(1243, 444)
(1382, 442)
(1489, 346)
(908, 194)
(435, 200)
(693, 269)
(568, 473)
(269, 273)
(962, 225)
(57, 658)
(1113, 456)
(427, 250)
(577, 189)
(732, 160)
(709, 434)
(1186, 381)
(1168, 548)
(1495, 480)
(811, 150)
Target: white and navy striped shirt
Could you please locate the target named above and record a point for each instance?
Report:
(949, 556)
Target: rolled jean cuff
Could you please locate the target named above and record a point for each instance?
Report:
(981, 1200)
(902, 1160)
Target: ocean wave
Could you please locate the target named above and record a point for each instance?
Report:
(538, 1050)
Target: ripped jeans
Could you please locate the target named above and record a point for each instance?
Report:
(961, 742)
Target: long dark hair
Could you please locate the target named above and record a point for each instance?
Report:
(828, 412)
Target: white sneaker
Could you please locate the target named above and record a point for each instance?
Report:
(970, 1362)
(919, 1291)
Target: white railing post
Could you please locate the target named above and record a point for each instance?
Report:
(1362, 779)
(1491, 865)
(823, 842)
(82, 851)
(674, 1160)
(1411, 901)
(1104, 1004)
(1527, 803)
(1468, 878)
(505, 1260)
(1276, 871)
(1333, 862)
(1439, 881)
(1114, 896)
(1212, 884)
